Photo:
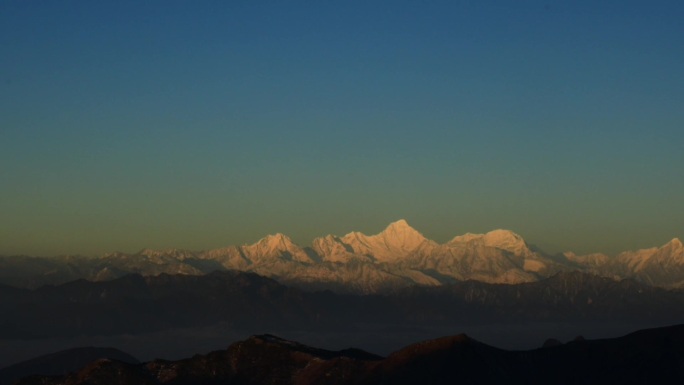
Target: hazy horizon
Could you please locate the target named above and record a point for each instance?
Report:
(179, 125)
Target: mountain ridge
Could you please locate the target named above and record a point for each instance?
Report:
(397, 256)
(643, 357)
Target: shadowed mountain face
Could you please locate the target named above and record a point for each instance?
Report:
(397, 257)
(134, 304)
(61, 363)
(654, 356)
(246, 301)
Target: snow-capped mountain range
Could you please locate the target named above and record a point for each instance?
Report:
(396, 257)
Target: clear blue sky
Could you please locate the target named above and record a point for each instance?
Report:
(196, 125)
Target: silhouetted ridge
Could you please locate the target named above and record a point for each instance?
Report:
(61, 362)
(447, 360)
(315, 352)
(654, 356)
(551, 342)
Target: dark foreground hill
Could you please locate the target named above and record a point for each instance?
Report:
(654, 356)
(62, 362)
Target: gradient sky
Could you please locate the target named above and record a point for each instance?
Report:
(196, 125)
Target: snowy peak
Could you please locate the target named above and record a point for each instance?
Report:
(395, 242)
(656, 264)
(359, 243)
(399, 225)
(274, 242)
(327, 245)
(401, 234)
(675, 244)
(589, 260)
(672, 253)
(355, 237)
(332, 249)
(327, 240)
(504, 239)
(465, 238)
(277, 240)
(501, 239)
(276, 246)
(399, 237)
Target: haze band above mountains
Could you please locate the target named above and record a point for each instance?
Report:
(399, 256)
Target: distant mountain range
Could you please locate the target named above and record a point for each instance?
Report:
(654, 356)
(397, 257)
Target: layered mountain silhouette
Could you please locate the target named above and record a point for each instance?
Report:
(246, 301)
(654, 356)
(61, 363)
(397, 257)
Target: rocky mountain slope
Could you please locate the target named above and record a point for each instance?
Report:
(397, 257)
(654, 356)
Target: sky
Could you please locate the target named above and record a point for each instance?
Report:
(197, 125)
